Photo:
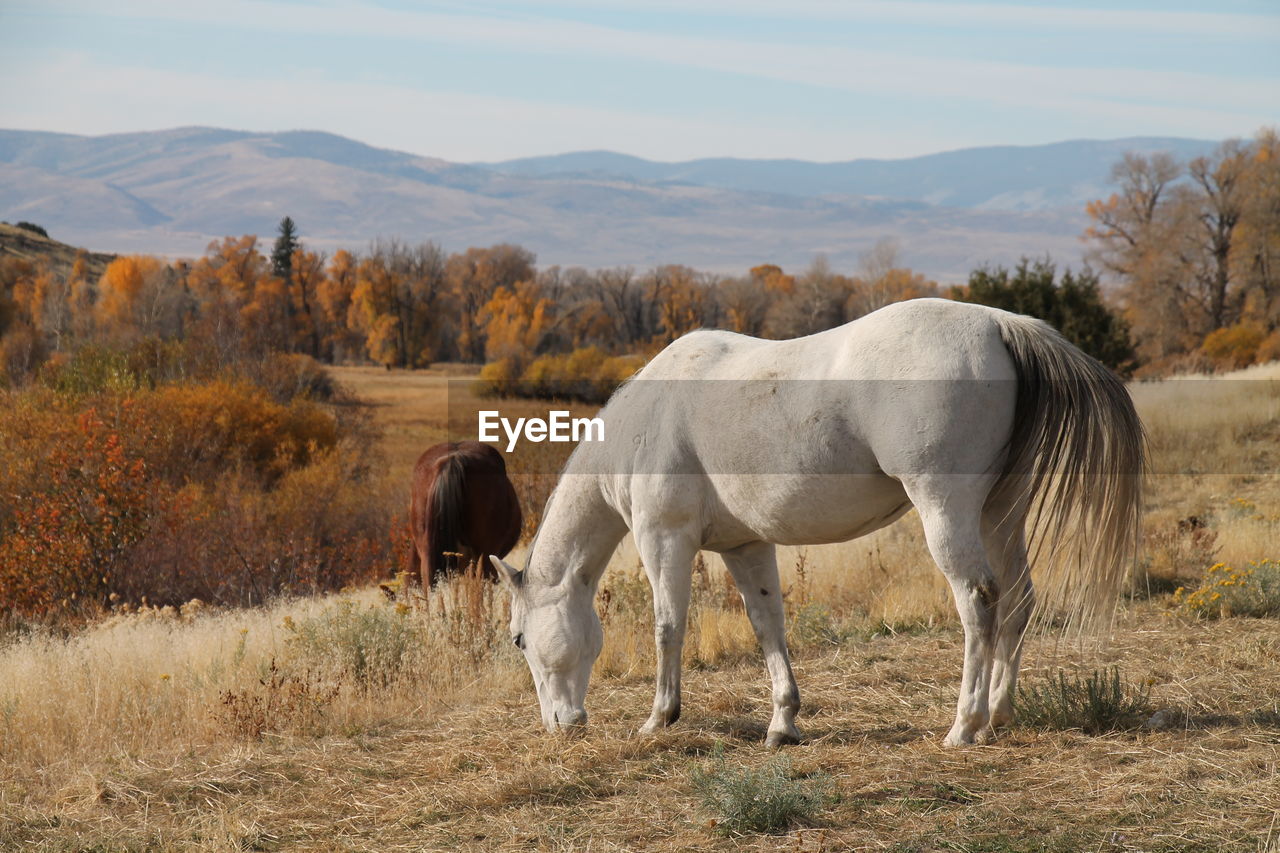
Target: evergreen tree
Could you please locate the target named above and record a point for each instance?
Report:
(282, 253)
(1073, 305)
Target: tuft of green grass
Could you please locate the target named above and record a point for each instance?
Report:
(768, 799)
(814, 625)
(1100, 702)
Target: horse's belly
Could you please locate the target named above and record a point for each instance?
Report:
(802, 510)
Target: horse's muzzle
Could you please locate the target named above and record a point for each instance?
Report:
(573, 722)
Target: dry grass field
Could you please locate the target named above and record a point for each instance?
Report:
(355, 723)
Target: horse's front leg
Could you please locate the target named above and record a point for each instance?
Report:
(668, 561)
(755, 570)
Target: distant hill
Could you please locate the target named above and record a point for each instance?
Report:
(31, 246)
(172, 192)
(997, 178)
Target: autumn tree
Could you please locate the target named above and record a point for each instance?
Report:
(1192, 245)
(745, 302)
(773, 280)
(515, 322)
(816, 302)
(473, 277)
(338, 340)
(139, 296)
(230, 270)
(22, 347)
(883, 280)
(581, 316)
(222, 284)
(628, 306)
(82, 295)
(1256, 251)
(396, 303)
(679, 297)
(307, 275)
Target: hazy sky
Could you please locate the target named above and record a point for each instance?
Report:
(671, 80)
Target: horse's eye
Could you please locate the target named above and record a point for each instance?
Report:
(519, 641)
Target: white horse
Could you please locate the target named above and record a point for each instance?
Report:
(975, 416)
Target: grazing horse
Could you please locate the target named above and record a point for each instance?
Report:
(461, 503)
(977, 417)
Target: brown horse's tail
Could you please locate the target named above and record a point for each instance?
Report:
(1076, 463)
(443, 515)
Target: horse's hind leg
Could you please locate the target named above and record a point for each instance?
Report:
(1003, 533)
(755, 570)
(950, 508)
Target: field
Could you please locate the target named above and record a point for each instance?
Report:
(357, 723)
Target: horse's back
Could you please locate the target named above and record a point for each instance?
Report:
(462, 500)
(918, 369)
(809, 439)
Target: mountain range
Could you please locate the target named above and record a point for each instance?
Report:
(171, 192)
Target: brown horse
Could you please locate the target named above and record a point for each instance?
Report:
(461, 503)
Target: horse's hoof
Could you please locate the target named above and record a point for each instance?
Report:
(776, 740)
(653, 725)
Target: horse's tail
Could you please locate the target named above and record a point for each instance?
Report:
(444, 514)
(1076, 463)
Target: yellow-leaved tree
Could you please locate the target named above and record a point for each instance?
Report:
(515, 321)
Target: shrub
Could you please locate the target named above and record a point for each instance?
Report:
(292, 376)
(1225, 591)
(586, 374)
(768, 799)
(814, 625)
(94, 368)
(540, 377)
(617, 370)
(1269, 349)
(210, 490)
(152, 362)
(372, 646)
(206, 429)
(1233, 346)
(1098, 703)
(279, 701)
(68, 540)
(498, 378)
(32, 227)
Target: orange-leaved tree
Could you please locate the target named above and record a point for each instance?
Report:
(515, 321)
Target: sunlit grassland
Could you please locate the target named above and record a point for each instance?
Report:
(354, 722)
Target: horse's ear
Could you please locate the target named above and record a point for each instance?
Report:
(509, 574)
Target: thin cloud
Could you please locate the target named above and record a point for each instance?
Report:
(1084, 92)
(964, 15)
(79, 95)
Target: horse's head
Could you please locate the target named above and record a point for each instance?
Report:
(557, 629)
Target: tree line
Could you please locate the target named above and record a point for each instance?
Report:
(409, 305)
(1192, 247)
(1195, 248)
